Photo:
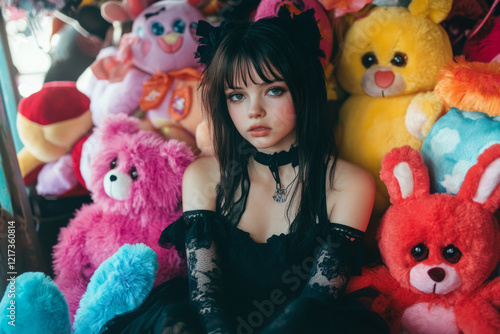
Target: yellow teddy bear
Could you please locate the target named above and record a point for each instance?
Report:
(389, 65)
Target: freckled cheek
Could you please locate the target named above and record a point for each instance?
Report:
(145, 47)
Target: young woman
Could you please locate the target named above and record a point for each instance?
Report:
(272, 224)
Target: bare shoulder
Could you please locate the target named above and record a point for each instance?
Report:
(199, 184)
(350, 201)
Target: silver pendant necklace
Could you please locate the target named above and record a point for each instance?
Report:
(280, 194)
(274, 161)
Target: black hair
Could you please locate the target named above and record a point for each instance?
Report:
(279, 48)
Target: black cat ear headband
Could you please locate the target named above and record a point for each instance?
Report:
(303, 30)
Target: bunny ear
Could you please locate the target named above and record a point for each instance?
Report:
(405, 174)
(482, 182)
(113, 10)
(436, 10)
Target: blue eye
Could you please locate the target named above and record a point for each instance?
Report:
(235, 97)
(179, 26)
(275, 91)
(140, 32)
(157, 28)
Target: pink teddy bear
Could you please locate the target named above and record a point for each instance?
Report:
(136, 186)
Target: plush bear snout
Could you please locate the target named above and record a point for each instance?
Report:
(117, 185)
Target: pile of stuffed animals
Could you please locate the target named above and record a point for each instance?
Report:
(153, 71)
(136, 193)
(418, 85)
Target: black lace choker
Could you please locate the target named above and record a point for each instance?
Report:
(273, 161)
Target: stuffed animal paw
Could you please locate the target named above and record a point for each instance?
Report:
(37, 306)
(120, 284)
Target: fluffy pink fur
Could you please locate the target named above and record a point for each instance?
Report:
(99, 229)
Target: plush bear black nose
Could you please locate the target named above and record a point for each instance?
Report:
(436, 274)
(113, 178)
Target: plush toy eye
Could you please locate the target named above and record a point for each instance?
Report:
(192, 27)
(157, 28)
(452, 254)
(179, 26)
(420, 252)
(113, 163)
(133, 173)
(399, 59)
(369, 59)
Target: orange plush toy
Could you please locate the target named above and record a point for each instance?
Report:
(439, 249)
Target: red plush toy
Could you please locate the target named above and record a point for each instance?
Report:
(439, 249)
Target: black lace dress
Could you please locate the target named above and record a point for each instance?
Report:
(236, 285)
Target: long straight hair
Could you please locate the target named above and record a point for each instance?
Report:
(267, 46)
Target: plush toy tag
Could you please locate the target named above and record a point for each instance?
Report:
(182, 98)
(154, 91)
(180, 105)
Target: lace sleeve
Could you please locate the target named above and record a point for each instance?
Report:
(204, 270)
(312, 312)
(335, 260)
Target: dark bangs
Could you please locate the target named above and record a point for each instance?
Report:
(239, 69)
(240, 52)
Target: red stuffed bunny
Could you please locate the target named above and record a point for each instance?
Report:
(439, 249)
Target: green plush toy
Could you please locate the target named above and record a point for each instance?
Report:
(389, 65)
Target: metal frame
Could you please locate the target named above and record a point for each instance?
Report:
(14, 204)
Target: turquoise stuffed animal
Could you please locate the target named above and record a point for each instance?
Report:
(120, 284)
(471, 92)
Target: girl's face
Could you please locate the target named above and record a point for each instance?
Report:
(263, 113)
